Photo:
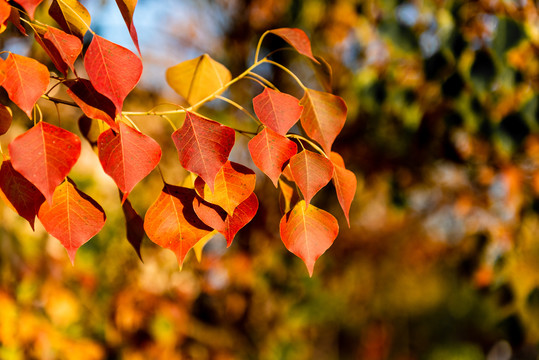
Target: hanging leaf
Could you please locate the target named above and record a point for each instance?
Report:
(199, 246)
(44, 155)
(62, 48)
(113, 70)
(308, 232)
(73, 217)
(198, 78)
(277, 110)
(345, 183)
(29, 6)
(171, 222)
(311, 172)
(270, 151)
(15, 18)
(93, 104)
(127, 156)
(288, 196)
(134, 226)
(127, 8)
(21, 194)
(72, 16)
(203, 146)
(228, 225)
(297, 39)
(233, 184)
(26, 80)
(323, 117)
(6, 117)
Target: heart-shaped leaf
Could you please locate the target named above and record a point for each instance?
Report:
(93, 104)
(308, 232)
(127, 8)
(127, 156)
(198, 78)
(71, 15)
(277, 110)
(44, 155)
(29, 6)
(26, 80)
(298, 39)
(311, 172)
(323, 117)
(345, 184)
(113, 70)
(270, 151)
(62, 48)
(171, 222)
(234, 183)
(73, 217)
(134, 225)
(6, 117)
(21, 194)
(203, 146)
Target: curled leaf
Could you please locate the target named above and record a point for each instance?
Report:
(127, 8)
(62, 48)
(92, 103)
(297, 39)
(6, 116)
(71, 15)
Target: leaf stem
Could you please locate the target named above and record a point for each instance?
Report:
(302, 138)
(59, 101)
(259, 45)
(169, 121)
(284, 68)
(262, 79)
(233, 103)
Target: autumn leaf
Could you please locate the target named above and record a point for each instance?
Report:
(323, 116)
(297, 39)
(198, 78)
(26, 80)
(127, 8)
(92, 103)
(29, 6)
(134, 225)
(72, 16)
(73, 217)
(5, 11)
(171, 222)
(15, 18)
(203, 146)
(113, 70)
(44, 155)
(127, 156)
(6, 117)
(345, 183)
(199, 246)
(270, 151)
(308, 232)
(288, 196)
(311, 172)
(277, 110)
(234, 183)
(62, 48)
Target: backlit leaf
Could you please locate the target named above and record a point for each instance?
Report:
(93, 104)
(199, 246)
(71, 15)
(311, 172)
(308, 232)
(345, 184)
(113, 70)
(44, 155)
(6, 117)
(270, 151)
(26, 80)
(298, 39)
(203, 146)
(127, 8)
(127, 156)
(73, 217)
(288, 196)
(171, 222)
(198, 78)
(228, 225)
(233, 184)
(277, 110)
(29, 6)
(5, 11)
(323, 116)
(62, 48)
(134, 225)
(21, 194)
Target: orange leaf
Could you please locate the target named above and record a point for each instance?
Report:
(73, 217)
(6, 117)
(276, 110)
(308, 232)
(311, 172)
(5, 11)
(29, 6)
(62, 48)
(298, 39)
(127, 8)
(345, 184)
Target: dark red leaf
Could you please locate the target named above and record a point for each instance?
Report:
(93, 104)
(134, 226)
(127, 8)
(15, 18)
(311, 172)
(298, 39)
(5, 119)
(29, 6)
(277, 110)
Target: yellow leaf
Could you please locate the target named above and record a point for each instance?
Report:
(200, 244)
(71, 15)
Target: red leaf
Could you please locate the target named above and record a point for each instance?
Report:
(113, 70)
(345, 184)
(26, 80)
(234, 183)
(276, 110)
(298, 39)
(134, 226)
(93, 104)
(5, 11)
(29, 6)
(127, 8)
(15, 18)
(203, 146)
(22, 195)
(311, 172)
(127, 156)
(44, 155)
(215, 217)
(5, 119)
(308, 232)
(323, 117)
(270, 151)
(73, 217)
(171, 222)
(62, 48)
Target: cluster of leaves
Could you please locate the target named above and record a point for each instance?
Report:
(33, 177)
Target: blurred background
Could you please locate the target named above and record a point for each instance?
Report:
(441, 260)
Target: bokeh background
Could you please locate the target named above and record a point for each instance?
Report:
(441, 260)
